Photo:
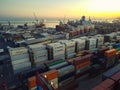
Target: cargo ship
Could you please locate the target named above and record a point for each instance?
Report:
(36, 60)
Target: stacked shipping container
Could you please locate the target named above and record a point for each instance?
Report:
(38, 54)
(80, 44)
(20, 59)
(69, 48)
(110, 57)
(56, 50)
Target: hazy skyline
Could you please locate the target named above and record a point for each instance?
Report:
(59, 8)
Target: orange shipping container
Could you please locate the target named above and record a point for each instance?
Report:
(110, 52)
(82, 65)
(32, 82)
(49, 75)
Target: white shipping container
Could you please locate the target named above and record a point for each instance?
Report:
(39, 55)
(92, 43)
(21, 65)
(59, 49)
(41, 59)
(80, 44)
(100, 41)
(37, 47)
(70, 50)
(58, 53)
(118, 37)
(20, 56)
(20, 61)
(55, 45)
(41, 52)
(17, 51)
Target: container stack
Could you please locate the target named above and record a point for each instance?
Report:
(20, 59)
(66, 75)
(109, 37)
(82, 64)
(69, 48)
(110, 57)
(91, 43)
(54, 64)
(66, 71)
(56, 51)
(100, 40)
(80, 44)
(38, 54)
(32, 85)
(52, 78)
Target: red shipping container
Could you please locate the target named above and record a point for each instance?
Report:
(82, 65)
(32, 82)
(108, 84)
(98, 88)
(116, 77)
(40, 82)
(49, 75)
(101, 52)
(80, 60)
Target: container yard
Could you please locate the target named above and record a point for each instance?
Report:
(67, 57)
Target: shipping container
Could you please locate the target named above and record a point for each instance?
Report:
(38, 54)
(56, 50)
(116, 78)
(32, 83)
(91, 43)
(80, 44)
(105, 85)
(50, 74)
(17, 51)
(69, 48)
(111, 72)
(110, 55)
(52, 78)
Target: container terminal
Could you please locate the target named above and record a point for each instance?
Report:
(77, 55)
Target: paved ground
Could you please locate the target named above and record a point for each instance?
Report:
(87, 83)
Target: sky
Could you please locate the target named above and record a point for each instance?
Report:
(59, 8)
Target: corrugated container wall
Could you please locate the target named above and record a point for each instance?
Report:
(69, 48)
(38, 54)
(56, 51)
(20, 59)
